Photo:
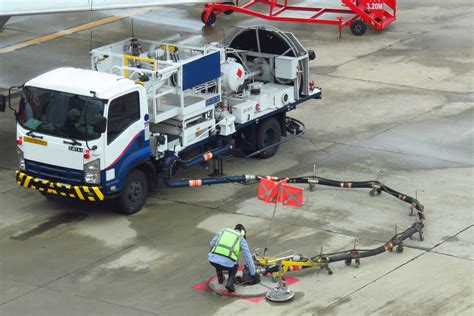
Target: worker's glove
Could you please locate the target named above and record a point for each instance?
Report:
(255, 279)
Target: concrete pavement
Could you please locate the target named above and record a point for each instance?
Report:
(399, 102)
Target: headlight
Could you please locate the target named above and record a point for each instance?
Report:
(21, 159)
(92, 172)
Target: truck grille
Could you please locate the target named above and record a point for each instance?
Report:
(49, 172)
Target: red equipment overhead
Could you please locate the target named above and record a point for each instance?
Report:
(357, 14)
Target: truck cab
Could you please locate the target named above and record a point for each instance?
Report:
(81, 128)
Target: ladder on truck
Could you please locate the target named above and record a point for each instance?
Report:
(356, 14)
(179, 93)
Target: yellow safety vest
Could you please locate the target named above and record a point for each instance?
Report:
(228, 244)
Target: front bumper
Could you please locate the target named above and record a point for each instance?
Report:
(81, 192)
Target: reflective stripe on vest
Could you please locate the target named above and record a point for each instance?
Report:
(228, 244)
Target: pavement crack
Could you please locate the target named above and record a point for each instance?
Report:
(335, 303)
(450, 255)
(429, 250)
(20, 296)
(9, 190)
(380, 49)
(395, 152)
(409, 37)
(396, 85)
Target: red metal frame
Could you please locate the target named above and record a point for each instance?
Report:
(377, 13)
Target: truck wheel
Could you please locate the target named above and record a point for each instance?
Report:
(134, 193)
(358, 27)
(268, 133)
(210, 20)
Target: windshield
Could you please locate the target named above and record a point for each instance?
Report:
(59, 114)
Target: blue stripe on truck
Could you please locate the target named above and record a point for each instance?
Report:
(135, 153)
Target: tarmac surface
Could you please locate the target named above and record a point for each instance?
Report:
(398, 103)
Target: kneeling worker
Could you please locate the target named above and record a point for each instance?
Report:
(226, 247)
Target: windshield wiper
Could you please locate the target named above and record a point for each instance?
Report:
(73, 142)
(32, 134)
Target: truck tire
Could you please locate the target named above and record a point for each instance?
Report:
(358, 27)
(210, 20)
(269, 132)
(134, 193)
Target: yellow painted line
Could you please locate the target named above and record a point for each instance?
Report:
(72, 30)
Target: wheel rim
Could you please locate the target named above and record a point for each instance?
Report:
(135, 191)
(358, 28)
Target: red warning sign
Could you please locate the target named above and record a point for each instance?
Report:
(239, 73)
(292, 196)
(272, 192)
(268, 190)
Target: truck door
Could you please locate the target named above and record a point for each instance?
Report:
(126, 145)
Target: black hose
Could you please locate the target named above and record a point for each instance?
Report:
(345, 255)
(376, 186)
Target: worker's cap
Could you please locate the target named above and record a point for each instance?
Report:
(241, 228)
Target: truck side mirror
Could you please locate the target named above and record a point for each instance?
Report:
(3, 102)
(100, 124)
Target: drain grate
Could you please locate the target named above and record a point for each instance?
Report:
(280, 295)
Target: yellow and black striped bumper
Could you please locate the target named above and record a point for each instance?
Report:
(81, 192)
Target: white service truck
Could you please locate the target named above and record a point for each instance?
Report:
(148, 108)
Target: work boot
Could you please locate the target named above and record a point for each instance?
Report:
(220, 277)
(230, 284)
